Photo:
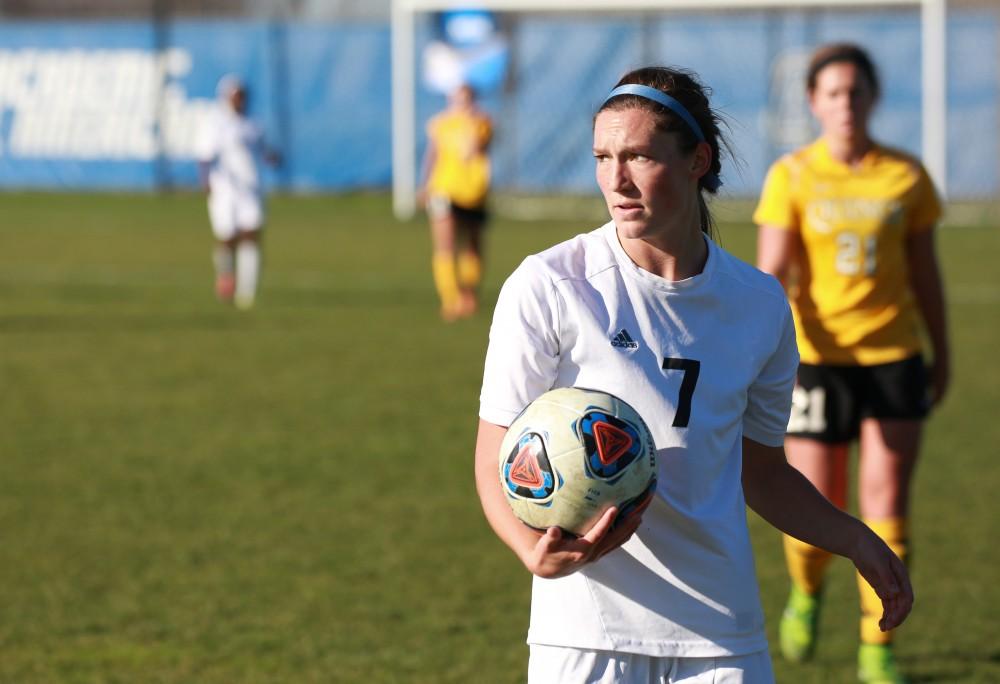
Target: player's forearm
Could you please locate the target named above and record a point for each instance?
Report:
(929, 294)
(203, 174)
(511, 531)
(505, 524)
(928, 290)
(783, 497)
(430, 155)
(775, 252)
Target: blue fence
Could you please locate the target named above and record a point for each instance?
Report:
(116, 105)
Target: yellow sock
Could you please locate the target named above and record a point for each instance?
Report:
(446, 280)
(893, 532)
(806, 564)
(470, 270)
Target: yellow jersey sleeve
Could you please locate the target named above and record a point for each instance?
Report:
(776, 206)
(925, 210)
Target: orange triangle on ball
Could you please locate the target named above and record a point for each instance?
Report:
(612, 442)
(525, 471)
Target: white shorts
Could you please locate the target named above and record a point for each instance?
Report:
(438, 206)
(558, 664)
(230, 212)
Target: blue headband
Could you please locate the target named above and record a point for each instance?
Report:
(712, 181)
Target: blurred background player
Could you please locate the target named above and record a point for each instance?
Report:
(456, 173)
(231, 147)
(847, 225)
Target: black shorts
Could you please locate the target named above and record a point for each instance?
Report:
(829, 402)
(469, 215)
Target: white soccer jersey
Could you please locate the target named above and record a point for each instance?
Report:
(705, 361)
(231, 143)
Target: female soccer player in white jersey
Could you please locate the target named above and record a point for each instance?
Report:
(848, 226)
(671, 596)
(230, 149)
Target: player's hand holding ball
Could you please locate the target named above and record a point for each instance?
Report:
(579, 467)
(558, 554)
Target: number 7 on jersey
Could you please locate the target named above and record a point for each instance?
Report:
(690, 368)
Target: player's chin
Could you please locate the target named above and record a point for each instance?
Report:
(631, 224)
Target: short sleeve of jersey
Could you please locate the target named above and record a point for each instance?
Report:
(769, 400)
(926, 206)
(523, 353)
(775, 207)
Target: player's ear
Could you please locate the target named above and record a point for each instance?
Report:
(701, 160)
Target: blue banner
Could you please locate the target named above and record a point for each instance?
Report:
(118, 104)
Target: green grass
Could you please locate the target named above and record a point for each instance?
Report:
(193, 494)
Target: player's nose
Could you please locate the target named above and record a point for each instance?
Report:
(619, 175)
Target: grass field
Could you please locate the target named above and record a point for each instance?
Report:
(193, 494)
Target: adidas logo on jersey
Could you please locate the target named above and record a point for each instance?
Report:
(624, 340)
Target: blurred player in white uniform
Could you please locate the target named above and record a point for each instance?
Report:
(231, 147)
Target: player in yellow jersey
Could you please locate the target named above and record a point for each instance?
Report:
(456, 185)
(847, 225)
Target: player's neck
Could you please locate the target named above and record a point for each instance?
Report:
(673, 255)
(849, 150)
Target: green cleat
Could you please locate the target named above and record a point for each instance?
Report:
(797, 629)
(877, 665)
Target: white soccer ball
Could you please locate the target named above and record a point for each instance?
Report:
(572, 454)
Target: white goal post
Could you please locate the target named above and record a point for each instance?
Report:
(933, 15)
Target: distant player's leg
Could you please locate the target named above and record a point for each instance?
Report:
(889, 451)
(250, 217)
(224, 260)
(247, 268)
(470, 264)
(822, 425)
(443, 257)
(222, 218)
(890, 443)
(825, 466)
